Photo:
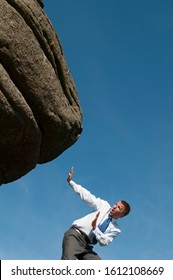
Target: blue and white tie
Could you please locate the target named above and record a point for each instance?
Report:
(103, 227)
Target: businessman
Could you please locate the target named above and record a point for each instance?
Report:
(99, 226)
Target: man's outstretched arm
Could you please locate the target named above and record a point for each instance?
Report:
(84, 194)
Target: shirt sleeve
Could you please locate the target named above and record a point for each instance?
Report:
(105, 238)
(86, 196)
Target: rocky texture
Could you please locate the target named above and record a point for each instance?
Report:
(40, 114)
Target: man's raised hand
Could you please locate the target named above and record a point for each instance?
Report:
(70, 174)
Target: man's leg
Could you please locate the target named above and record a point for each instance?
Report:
(72, 245)
(90, 255)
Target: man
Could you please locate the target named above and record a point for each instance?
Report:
(100, 226)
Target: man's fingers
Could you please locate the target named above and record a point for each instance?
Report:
(71, 170)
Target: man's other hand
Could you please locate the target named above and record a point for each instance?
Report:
(95, 221)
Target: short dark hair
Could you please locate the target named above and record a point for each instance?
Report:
(126, 208)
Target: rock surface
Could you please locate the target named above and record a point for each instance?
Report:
(40, 113)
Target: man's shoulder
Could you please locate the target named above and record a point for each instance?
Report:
(104, 204)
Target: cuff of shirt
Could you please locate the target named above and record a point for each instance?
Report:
(71, 183)
(97, 231)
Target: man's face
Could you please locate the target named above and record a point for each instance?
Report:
(117, 211)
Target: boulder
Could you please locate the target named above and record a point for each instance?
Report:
(40, 113)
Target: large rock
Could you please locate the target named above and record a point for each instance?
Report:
(40, 114)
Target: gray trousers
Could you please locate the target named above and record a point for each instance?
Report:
(75, 246)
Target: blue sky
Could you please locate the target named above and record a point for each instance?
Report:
(120, 56)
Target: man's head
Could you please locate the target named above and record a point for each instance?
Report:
(120, 209)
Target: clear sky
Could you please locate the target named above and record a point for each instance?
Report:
(120, 56)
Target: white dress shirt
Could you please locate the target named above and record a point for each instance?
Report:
(98, 205)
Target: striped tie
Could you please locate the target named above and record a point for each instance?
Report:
(105, 224)
(103, 227)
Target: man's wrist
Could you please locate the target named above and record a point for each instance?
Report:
(71, 182)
